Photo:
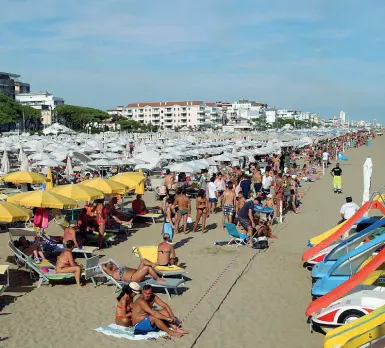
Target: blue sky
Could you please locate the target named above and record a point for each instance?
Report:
(314, 55)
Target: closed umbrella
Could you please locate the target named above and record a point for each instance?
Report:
(5, 163)
(21, 156)
(24, 167)
(49, 184)
(68, 170)
(367, 170)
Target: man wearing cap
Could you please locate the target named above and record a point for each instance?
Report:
(336, 173)
(348, 209)
(146, 319)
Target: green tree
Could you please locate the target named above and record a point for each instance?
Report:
(10, 111)
(130, 125)
(79, 117)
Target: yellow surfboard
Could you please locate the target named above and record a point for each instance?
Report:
(318, 239)
(365, 329)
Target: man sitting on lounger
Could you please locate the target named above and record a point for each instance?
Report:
(138, 206)
(166, 252)
(147, 320)
(127, 274)
(116, 215)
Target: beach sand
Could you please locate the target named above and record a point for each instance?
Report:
(259, 298)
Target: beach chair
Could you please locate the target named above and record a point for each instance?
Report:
(151, 216)
(4, 272)
(169, 283)
(46, 277)
(151, 254)
(21, 260)
(237, 237)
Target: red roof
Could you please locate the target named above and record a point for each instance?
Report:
(163, 104)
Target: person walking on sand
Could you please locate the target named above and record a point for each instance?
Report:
(336, 173)
(228, 204)
(184, 209)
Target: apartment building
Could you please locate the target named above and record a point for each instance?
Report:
(43, 101)
(169, 115)
(10, 85)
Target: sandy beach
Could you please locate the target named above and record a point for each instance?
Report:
(258, 299)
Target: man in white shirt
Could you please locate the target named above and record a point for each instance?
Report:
(267, 180)
(213, 196)
(348, 209)
(325, 159)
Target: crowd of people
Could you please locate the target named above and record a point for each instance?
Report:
(252, 195)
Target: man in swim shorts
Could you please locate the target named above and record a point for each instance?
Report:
(145, 319)
(184, 209)
(228, 204)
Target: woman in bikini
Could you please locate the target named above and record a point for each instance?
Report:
(202, 210)
(127, 274)
(66, 264)
(101, 217)
(125, 303)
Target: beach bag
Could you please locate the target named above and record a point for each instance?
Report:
(262, 243)
(41, 218)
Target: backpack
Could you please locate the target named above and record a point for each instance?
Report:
(262, 243)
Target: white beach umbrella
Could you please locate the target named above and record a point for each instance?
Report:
(222, 158)
(21, 155)
(367, 169)
(49, 163)
(5, 163)
(24, 167)
(40, 156)
(69, 170)
(183, 167)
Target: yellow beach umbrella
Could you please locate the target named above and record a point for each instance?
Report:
(42, 199)
(78, 192)
(10, 212)
(108, 187)
(24, 178)
(131, 181)
(49, 184)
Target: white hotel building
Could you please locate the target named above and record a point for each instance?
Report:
(169, 115)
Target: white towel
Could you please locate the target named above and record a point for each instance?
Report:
(128, 333)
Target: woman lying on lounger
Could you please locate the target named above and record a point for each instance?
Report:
(125, 304)
(30, 249)
(127, 274)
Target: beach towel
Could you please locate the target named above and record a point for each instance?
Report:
(41, 218)
(128, 333)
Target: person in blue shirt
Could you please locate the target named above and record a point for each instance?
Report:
(245, 217)
(245, 185)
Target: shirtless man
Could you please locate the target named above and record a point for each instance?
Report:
(145, 319)
(168, 179)
(127, 274)
(257, 180)
(184, 209)
(66, 264)
(166, 252)
(228, 204)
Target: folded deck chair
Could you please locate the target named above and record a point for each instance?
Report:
(237, 237)
(169, 283)
(152, 216)
(55, 247)
(4, 272)
(151, 254)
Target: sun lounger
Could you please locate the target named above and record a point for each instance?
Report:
(151, 254)
(169, 283)
(237, 237)
(4, 272)
(89, 272)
